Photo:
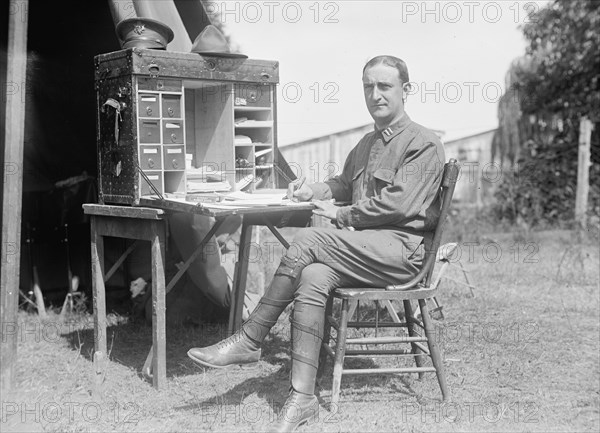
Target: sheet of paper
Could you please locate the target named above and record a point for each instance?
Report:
(242, 195)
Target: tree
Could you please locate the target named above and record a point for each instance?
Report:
(549, 89)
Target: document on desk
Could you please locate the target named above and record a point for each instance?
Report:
(271, 198)
(237, 200)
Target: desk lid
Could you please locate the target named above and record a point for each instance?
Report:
(172, 64)
(219, 209)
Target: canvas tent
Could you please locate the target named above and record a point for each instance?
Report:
(60, 129)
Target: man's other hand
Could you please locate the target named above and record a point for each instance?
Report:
(325, 208)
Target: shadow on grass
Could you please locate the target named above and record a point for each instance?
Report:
(274, 387)
(129, 343)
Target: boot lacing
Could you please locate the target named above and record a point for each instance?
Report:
(234, 339)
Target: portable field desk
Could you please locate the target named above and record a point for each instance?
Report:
(154, 108)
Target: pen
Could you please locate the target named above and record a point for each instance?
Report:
(296, 187)
(302, 180)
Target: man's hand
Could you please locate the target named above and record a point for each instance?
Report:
(325, 208)
(298, 191)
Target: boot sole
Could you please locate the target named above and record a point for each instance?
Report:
(208, 364)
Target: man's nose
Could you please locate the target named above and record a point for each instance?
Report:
(376, 94)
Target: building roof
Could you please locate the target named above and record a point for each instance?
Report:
(438, 132)
(454, 140)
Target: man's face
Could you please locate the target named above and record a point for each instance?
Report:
(383, 94)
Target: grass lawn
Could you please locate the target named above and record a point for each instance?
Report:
(522, 355)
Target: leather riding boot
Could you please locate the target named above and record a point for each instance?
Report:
(307, 334)
(308, 323)
(236, 349)
(298, 409)
(244, 346)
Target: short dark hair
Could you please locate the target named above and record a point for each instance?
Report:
(392, 61)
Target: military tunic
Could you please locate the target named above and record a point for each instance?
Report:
(391, 179)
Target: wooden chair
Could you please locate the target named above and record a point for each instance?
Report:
(444, 256)
(420, 288)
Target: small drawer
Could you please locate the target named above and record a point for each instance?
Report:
(148, 105)
(174, 157)
(173, 132)
(171, 106)
(150, 158)
(156, 178)
(149, 131)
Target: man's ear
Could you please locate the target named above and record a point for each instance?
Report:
(407, 87)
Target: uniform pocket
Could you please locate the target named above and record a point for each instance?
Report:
(383, 177)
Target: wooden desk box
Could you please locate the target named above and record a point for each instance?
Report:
(154, 107)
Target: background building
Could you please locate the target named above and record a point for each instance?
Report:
(322, 157)
(479, 173)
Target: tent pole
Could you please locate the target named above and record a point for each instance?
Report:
(14, 97)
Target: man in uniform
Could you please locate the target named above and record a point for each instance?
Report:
(391, 178)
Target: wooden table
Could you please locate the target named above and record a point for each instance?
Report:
(150, 224)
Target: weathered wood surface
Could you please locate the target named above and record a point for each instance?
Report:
(12, 189)
(123, 211)
(139, 224)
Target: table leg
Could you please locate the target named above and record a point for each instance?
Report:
(239, 285)
(159, 368)
(98, 291)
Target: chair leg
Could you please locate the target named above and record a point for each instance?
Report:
(465, 274)
(434, 350)
(391, 311)
(408, 312)
(340, 351)
(326, 338)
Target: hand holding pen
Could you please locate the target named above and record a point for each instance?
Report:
(298, 191)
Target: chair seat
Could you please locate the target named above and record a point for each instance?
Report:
(381, 294)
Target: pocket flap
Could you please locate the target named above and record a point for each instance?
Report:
(384, 174)
(358, 173)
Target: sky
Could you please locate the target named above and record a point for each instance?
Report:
(457, 54)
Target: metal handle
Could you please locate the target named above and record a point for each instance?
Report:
(154, 70)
